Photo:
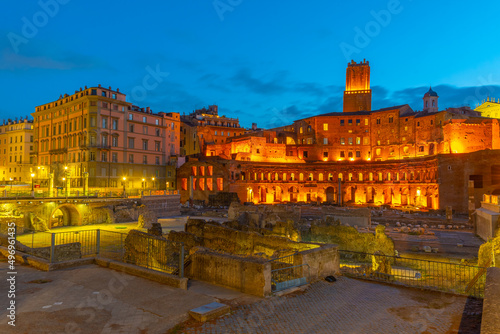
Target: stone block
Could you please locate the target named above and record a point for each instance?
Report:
(210, 311)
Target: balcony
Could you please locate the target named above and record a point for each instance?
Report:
(58, 151)
(96, 146)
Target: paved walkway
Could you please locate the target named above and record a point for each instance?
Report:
(346, 306)
(91, 299)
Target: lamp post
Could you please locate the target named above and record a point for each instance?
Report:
(64, 183)
(123, 182)
(143, 186)
(153, 179)
(32, 185)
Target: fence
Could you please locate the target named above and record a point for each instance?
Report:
(285, 274)
(434, 275)
(75, 193)
(153, 253)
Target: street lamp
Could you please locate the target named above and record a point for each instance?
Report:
(143, 184)
(123, 182)
(32, 186)
(64, 183)
(153, 179)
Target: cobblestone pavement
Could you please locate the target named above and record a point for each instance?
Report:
(346, 306)
(91, 299)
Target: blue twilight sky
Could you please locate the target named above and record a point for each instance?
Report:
(264, 61)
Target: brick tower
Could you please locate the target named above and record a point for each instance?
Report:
(357, 94)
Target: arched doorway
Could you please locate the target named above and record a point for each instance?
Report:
(294, 192)
(330, 194)
(277, 194)
(404, 196)
(388, 196)
(263, 195)
(249, 194)
(65, 215)
(370, 195)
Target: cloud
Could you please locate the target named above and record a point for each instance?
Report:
(449, 96)
(275, 85)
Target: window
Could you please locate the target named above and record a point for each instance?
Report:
(418, 123)
(144, 119)
(131, 142)
(304, 154)
(406, 150)
(144, 145)
(220, 185)
(325, 141)
(157, 146)
(366, 141)
(145, 159)
(216, 132)
(325, 126)
(378, 151)
(342, 141)
(358, 122)
(342, 154)
(358, 154)
(91, 156)
(104, 157)
(114, 157)
(378, 120)
(130, 117)
(342, 122)
(103, 93)
(349, 122)
(349, 154)
(131, 158)
(115, 124)
(358, 140)
(104, 123)
(391, 119)
(157, 131)
(114, 141)
(145, 130)
(131, 127)
(325, 154)
(93, 92)
(421, 149)
(350, 140)
(157, 121)
(366, 121)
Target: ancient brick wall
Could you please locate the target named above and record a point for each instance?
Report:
(252, 276)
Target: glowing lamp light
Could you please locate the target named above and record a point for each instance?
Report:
(124, 178)
(418, 192)
(325, 159)
(66, 167)
(32, 174)
(351, 159)
(368, 159)
(339, 159)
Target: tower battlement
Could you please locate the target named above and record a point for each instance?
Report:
(357, 94)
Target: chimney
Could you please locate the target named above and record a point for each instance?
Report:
(254, 126)
(85, 87)
(148, 109)
(109, 87)
(99, 85)
(118, 90)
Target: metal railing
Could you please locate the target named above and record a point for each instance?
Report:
(79, 193)
(148, 252)
(426, 274)
(288, 277)
(157, 254)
